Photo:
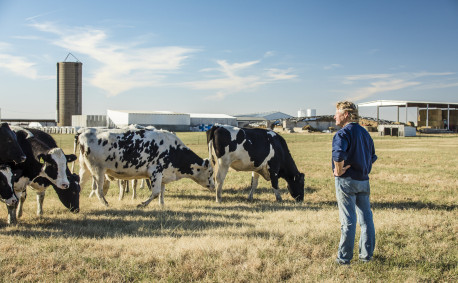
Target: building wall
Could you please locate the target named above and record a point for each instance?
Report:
(89, 121)
(159, 119)
(197, 121)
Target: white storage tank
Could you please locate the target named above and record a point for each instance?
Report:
(311, 113)
(300, 113)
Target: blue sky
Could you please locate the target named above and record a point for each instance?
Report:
(231, 57)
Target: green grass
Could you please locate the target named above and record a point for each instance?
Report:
(192, 238)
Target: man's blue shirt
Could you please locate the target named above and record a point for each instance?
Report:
(354, 145)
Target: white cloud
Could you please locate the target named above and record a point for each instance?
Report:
(381, 86)
(236, 77)
(279, 74)
(18, 65)
(389, 82)
(123, 66)
(332, 67)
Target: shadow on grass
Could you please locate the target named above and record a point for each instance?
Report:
(165, 223)
(415, 205)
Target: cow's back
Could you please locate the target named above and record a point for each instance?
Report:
(130, 152)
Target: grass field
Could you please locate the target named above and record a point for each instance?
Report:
(193, 238)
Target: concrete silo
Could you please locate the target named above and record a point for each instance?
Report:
(69, 91)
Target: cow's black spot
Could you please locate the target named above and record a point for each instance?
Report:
(104, 143)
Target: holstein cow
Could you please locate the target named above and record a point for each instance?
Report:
(42, 161)
(135, 154)
(262, 151)
(69, 197)
(10, 151)
(6, 185)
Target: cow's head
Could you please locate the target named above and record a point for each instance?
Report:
(296, 186)
(203, 175)
(10, 150)
(71, 196)
(6, 185)
(55, 167)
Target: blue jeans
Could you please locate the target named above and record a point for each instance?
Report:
(353, 199)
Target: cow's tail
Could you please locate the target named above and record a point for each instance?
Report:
(210, 135)
(75, 146)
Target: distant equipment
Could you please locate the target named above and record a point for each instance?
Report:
(69, 90)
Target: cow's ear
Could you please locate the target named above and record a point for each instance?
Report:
(41, 158)
(70, 157)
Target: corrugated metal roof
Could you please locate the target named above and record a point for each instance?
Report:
(402, 103)
(149, 112)
(203, 115)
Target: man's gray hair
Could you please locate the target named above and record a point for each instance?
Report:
(350, 108)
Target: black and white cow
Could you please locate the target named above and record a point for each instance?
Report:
(10, 150)
(262, 151)
(69, 197)
(135, 154)
(42, 161)
(6, 185)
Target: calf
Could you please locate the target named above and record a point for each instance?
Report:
(262, 151)
(136, 154)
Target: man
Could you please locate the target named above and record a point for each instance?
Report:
(352, 156)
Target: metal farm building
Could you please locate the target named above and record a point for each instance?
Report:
(160, 119)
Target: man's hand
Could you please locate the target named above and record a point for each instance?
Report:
(339, 168)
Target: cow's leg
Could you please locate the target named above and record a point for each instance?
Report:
(100, 181)
(93, 187)
(254, 184)
(148, 184)
(274, 181)
(134, 188)
(142, 184)
(40, 199)
(106, 186)
(84, 173)
(219, 180)
(156, 181)
(20, 205)
(121, 188)
(161, 197)
(12, 220)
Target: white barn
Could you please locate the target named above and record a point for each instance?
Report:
(166, 120)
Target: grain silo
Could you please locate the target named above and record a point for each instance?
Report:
(69, 91)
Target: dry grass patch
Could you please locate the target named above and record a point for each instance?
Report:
(192, 238)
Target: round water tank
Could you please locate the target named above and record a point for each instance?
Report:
(69, 91)
(300, 113)
(311, 112)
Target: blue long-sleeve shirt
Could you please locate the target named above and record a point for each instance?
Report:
(354, 145)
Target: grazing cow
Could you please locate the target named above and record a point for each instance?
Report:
(10, 151)
(136, 154)
(6, 185)
(42, 161)
(69, 197)
(262, 151)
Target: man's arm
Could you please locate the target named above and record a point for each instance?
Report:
(339, 168)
